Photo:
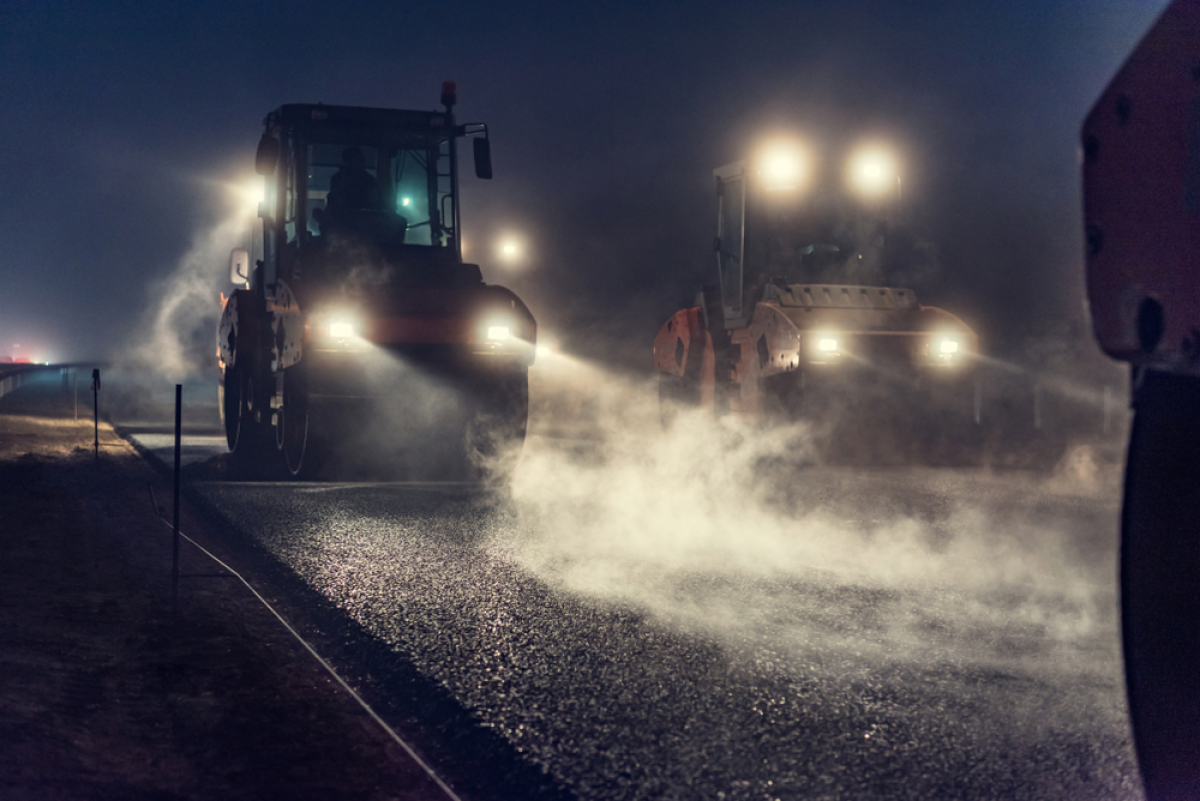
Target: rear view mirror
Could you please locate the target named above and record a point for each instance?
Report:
(267, 155)
(239, 266)
(483, 158)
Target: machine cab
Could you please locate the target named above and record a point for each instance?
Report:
(345, 185)
(783, 220)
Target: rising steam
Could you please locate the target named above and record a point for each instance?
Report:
(176, 338)
(737, 530)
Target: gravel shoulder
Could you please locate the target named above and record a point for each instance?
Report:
(108, 694)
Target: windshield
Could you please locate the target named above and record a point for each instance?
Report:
(384, 193)
(815, 245)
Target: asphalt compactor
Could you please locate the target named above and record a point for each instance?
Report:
(359, 337)
(804, 326)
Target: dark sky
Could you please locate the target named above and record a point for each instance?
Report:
(124, 123)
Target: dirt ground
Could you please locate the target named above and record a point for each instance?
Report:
(109, 695)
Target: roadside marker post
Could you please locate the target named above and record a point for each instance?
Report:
(96, 410)
(175, 511)
(176, 535)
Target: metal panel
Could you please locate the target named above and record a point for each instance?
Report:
(1141, 180)
(731, 241)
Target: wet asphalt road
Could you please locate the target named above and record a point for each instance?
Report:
(642, 620)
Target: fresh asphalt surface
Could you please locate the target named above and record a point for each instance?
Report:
(656, 622)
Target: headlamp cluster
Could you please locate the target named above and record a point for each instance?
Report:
(342, 330)
(947, 349)
(337, 331)
(871, 172)
(500, 331)
(940, 349)
(825, 347)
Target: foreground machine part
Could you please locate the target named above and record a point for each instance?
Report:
(1141, 180)
(359, 336)
(801, 324)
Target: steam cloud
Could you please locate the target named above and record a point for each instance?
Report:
(177, 336)
(736, 531)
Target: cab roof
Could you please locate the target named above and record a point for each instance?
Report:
(319, 115)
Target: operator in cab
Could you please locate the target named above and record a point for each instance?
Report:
(352, 187)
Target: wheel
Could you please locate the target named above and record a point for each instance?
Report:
(495, 429)
(945, 428)
(1160, 584)
(245, 433)
(781, 398)
(231, 406)
(294, 434)
(676, 395)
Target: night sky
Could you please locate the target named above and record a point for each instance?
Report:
(125, 125)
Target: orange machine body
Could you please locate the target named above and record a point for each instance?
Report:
(864, 329)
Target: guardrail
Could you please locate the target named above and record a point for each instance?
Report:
(13, 375)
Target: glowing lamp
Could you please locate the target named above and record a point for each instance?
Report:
(948, 349)
(251, 194)
(509, 249)
(826, 348)
(873, 172)
(783, 167)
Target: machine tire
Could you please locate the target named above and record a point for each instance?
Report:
(246, 437)
(945, 431)
(231, 406)
(677, 394)
(781, 398)
(296, 436)
(495, 429)
(1160, 584)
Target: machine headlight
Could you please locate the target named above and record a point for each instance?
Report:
(785, 166)
(342, 330)
(947, 349)
(825, 348)
(873, 172)
(503, 334)
(498, 331)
